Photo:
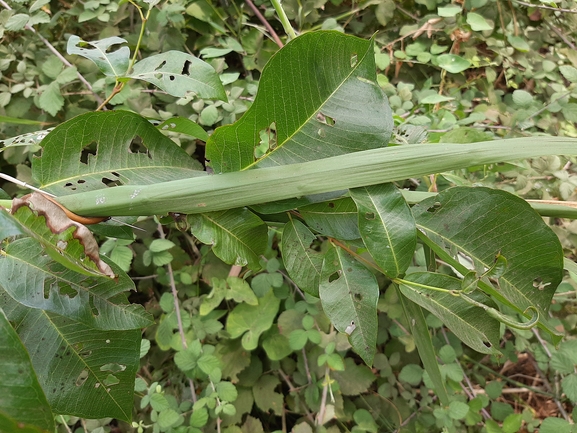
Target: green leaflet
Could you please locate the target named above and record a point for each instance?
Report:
(21, 396)
(179, 73)
(317, 98)
(302, 263)
(238, 236)
(335, 218)
(387, 227)
(113, 63)
(349, 295)
(252, 318)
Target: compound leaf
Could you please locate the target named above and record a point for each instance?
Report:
(482, 224)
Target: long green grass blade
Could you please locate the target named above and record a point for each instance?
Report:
(420, 332)
(225, 191)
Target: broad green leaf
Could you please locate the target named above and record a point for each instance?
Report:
(21, 396)
(276, 345)
(478, 23)
(483, 223)
(179, 73)
(335, 218)
(252, 318)
(238, 236)
(265, 396)
(355, 379)
(569, 73)
(349, 293)
(75, 363)
(519, 43)
(449, 10)
(522, 98)
(304, 105)
(93, 150)
(112, 63)
(302, 263)
(240, 291)
(16, 22)
(453, 63)
(435, 99)
(387, 227)
(33, 279)
(470, 323)
(182, 125)
(51, 100)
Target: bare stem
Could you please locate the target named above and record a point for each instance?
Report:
(321, 414)
(177, 310)
(263, 20)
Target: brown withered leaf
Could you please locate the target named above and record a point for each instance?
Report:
(58, 223)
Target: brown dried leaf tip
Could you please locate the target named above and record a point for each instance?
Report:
(57, 222)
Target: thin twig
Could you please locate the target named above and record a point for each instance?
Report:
(306, 362)
(321, 414)
(293, 389)
(571, 11)
(548, 387)
(57, 54)
(263, 20)
(65, 424)
(561, 35)
(177, 310)
(23, 184)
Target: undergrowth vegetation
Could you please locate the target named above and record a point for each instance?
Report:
(240, 333)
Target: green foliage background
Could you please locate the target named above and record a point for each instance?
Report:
(264, 355)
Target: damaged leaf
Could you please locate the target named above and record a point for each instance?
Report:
(179, 73)
(65, 241)
(111, 63)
